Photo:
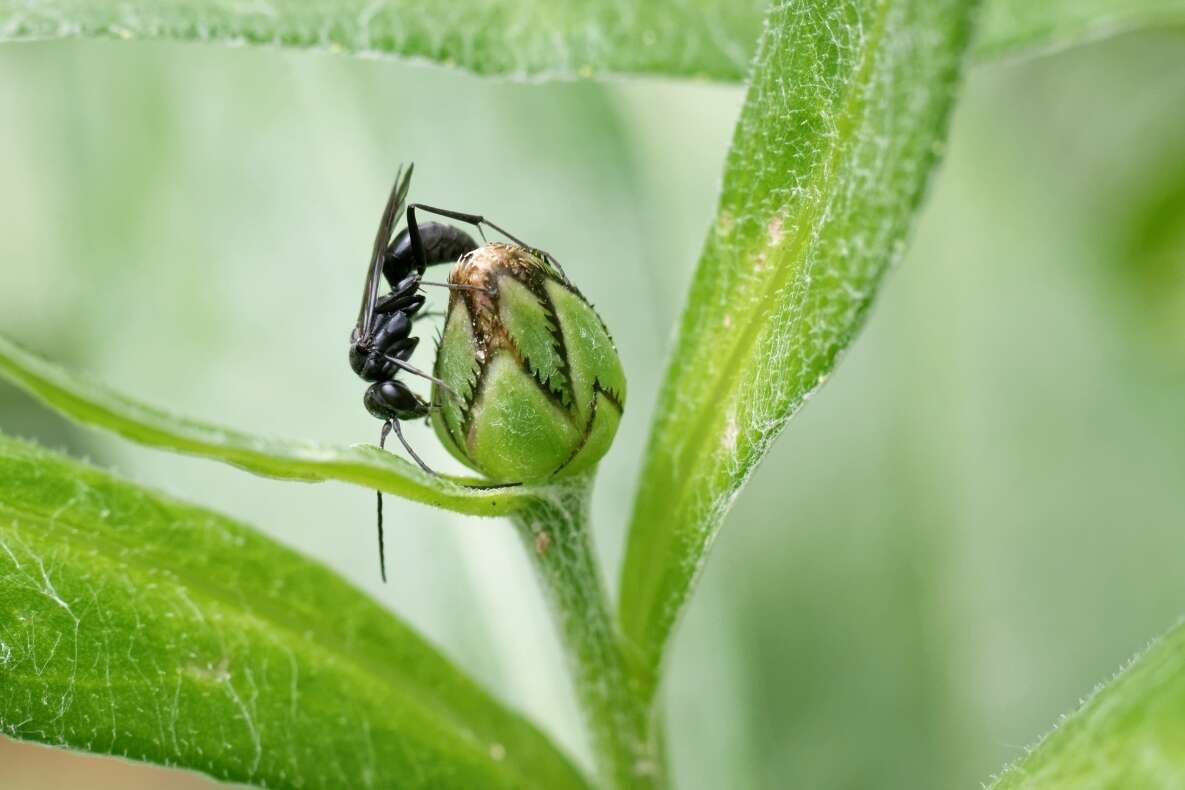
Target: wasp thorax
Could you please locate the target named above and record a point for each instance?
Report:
(537, 388)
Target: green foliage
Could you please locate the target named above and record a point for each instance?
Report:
(1025, 26)
(534, 38)
(140, 626)
(1127, 734)
(95, 404)
(708, 38)
(826, 170)
(152, 629)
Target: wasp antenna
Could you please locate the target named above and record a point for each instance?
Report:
(382, 553)
(379, 512)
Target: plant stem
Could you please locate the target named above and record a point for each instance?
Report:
(624, 734)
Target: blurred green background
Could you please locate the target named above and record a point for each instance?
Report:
(978, 519)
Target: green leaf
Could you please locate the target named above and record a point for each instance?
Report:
(1027, 26)
(536, 38)
(842, 125)
(94, 404)
(707, 38)
(136, 625)
(1128, 733)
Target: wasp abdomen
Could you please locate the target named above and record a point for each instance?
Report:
(441, 244)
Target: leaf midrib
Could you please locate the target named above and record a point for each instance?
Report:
(697, 444)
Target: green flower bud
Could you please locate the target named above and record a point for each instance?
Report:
(537, 388)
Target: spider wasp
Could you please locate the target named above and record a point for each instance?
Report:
(382, 342)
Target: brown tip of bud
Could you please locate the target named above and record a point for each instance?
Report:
(481, 267)
(480, 270)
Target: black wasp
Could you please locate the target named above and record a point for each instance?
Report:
(381, 342)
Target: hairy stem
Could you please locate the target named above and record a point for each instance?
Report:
(624, 733)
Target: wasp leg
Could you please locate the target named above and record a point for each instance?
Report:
(459, 287)
(476, 220)
(411, 452)
(412, 369)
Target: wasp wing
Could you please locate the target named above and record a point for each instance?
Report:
(390, 215)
